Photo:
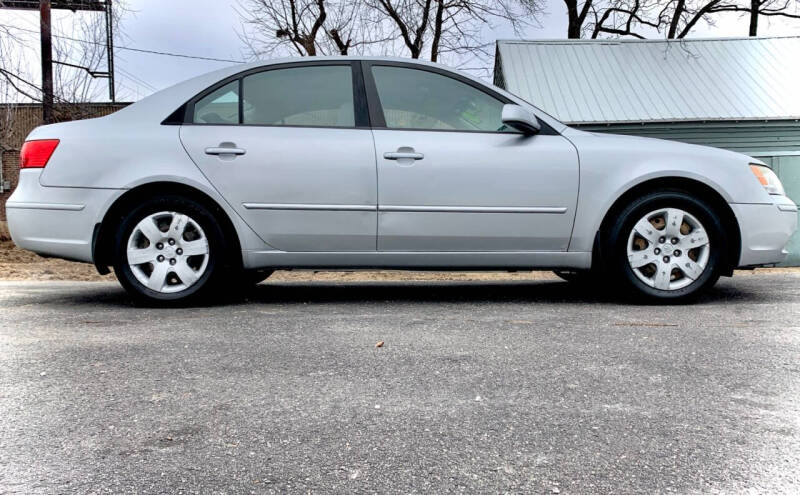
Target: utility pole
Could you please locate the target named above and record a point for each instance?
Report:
(110, 50)
(44, 6)
(47, 62)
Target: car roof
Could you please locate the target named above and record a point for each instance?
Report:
(405, 60)
(158, 106)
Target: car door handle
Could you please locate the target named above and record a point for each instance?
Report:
(403, 155)
(225, 151)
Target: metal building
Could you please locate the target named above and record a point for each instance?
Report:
(742, 94)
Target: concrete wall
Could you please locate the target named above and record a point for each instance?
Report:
(776, 143)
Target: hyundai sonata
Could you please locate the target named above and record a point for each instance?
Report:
(383, 163)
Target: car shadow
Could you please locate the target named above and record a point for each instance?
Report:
(539, 291)
(470, 292)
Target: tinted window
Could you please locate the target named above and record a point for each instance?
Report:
(418, 99)
(307, 96)
(219, 107)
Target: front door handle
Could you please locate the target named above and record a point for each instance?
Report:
(405, 156)
(400, 155)
(225, 150)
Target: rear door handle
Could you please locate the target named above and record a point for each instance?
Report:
(225, 151)
(400, 155)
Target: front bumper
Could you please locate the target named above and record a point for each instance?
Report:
(765, 230)
(56, 221)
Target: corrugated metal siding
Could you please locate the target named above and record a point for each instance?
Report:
(587, 81)
(788, 169)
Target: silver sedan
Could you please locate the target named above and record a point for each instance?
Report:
(354, 162)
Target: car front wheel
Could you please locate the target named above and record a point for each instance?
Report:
(666, 246)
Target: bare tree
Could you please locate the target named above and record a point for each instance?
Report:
(623, 18)
(452, 26)
(410, 17)
(344, 25)
(769, 8)
(13, 89)
(75, 64)
(349, 26)
(673, 19)
(79, 54)
(594, 18)
(463, 25)
(680, 16)
(576, 17)
(276, 24)
(306, 27)
(418, 28)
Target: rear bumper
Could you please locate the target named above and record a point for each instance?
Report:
(765, 230)
(55, 221)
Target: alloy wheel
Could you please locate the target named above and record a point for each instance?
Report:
(167, 252)
(668, 249)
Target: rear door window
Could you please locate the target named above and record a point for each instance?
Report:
(221, 106)
(300, 96)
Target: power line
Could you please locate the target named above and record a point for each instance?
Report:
(8, 75)
(139, 50)
(136, 79)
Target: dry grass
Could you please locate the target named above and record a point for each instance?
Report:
(4, 235)
(18, 264)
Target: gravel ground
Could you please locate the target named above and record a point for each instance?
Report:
(516, 386)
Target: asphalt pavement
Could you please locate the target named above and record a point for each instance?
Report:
(521, 387)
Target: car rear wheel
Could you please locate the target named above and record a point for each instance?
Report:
(169, 249)
(666, 246)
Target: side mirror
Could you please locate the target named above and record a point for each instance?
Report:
(521, 119)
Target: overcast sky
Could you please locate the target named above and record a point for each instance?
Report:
(209, 28)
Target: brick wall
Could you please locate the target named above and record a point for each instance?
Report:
(10, 175)
(19, 120)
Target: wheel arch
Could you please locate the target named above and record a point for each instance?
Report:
(692, 186)
(102, 243)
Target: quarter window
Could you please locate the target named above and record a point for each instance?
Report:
(221, 106)
(420, 99)
(302, 96)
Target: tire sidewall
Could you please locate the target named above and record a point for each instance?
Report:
(217, 248)
(619, 234)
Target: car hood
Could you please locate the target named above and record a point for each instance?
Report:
(639, 145)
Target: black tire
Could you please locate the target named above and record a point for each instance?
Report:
(220, 258)
(255, 277)
(614, 248)
(581, 277)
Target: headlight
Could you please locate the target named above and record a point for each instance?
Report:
(768, 179)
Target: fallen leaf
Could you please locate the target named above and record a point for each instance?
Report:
(379, 344)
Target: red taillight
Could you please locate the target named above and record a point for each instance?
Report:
(35, 154)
